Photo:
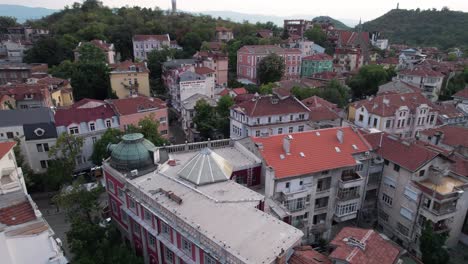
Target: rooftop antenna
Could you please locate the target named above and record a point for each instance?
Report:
(398, 6)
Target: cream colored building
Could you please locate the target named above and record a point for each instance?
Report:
(128, 78)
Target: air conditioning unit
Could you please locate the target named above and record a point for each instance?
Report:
(134, 173)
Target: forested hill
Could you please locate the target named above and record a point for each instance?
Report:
(442, 28)
(326, 19)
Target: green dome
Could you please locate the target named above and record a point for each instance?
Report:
(134, 152)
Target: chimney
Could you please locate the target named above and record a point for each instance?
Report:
(339, 135)
(287, 144)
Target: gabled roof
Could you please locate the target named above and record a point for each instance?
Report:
(307, 255)
(223, 29)
(50, 80)
(239, 91)
(448, 110)
(164, 37)
(77, 113)
(388, 104)
(315, 101)
(133, 105)
(270, 105)
(398, 86)
(319, 148)
(319, 57)
(462, 93)
(376, 248)
(205, 168)
(408, 155)
(203, 70)
(450, 135)
(421, 71)
(21, 91)
(20, 117)
(320, 109)
(261, 49)
(5, 147)
(17, 214)
(104, 46)
(265, 33)
(129, 66)
(350, 38)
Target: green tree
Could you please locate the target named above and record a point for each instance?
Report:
(45, 50)
(432, 246)
(191, 43)
(316, 35)
(64, 70)
(6, 22)
(149, 128)
(266, 88)
(63, 163)
(111, 136)
(336, 93)
(302, 93)
(91, 80)
(91, 54)
(367, 81)
(270, 69)
(223, 109)
(205, 119)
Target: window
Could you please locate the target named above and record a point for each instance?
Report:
(162, 120)
(361, 118)
(44, 164)
(94, 139)
(375, 122)
(280, 131)
(301, 116)
(169, 256)
(114, 207)
(323, 184)
(359, 167)
(402, 229)
(287, 185)
(73, 130)
(291, 117)
(148, 215)
(92, 126)
(110, 186)
(121, 193)
(341, 210)
(421, 173)
(165, 229)
(412, 195)
(124, 216)
(389, 182)
(164, 132)
(321, 202)
(9, 134)
(136, 229)
(301, 183)
(269, 119)
(300, 128)
(132, 203)
(387, 199)
(291, 129)
(209, 259)
(386, 162)
(151, 241)
(42, 147)
(187, 246)
(108, 123)
(257, 133)
(382, 215)
(396, 167)
(406, 213)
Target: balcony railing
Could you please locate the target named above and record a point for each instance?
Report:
(348, 196)
(441, 211)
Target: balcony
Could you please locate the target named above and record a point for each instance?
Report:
(350, 179)
(444, 209)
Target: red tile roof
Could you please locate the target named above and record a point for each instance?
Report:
(390, 61)
(17, 214)
(265, 33)
(448, 110)
(49, 80)
(408, 155)
(135, 105)
(451, 135)
(164, 37)
(20, 91)
(240, 90)
(315, 101)
(124, 66)
(460, 166)
(462, 93)
(319, 151)
(387, 104)
(5, 147)
(421, 71)
(101, 44)
(224, 92)
(350, 38)
(265, 106)
(223, 29)
(261, 49)
(307, 255)
(320, 109)
(203, 70)
(76, 113)
(318, 57)
(377, 249)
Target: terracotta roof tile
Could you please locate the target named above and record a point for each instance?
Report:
(318, 57)
(451, 135)
(239, 91)
(203, 70)
(265, 106)
(421, 71)
(377, 249)
(307, 255)
(17, 214)
(76, 114)
(49, 80)
(319, 151)
(20, 91)
(134, 105)
(5, 147)
(125, 66)
(462, 93)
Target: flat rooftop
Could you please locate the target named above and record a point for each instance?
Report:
(446, 186)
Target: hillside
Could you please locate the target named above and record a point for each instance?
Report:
(443, 28)
(23, 13)
(336, 23)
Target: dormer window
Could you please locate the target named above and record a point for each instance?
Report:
(73, 130)
(39, 132)
(108, 123)
(28, 96)
(92, 126)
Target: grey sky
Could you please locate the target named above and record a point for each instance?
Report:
(349, 9)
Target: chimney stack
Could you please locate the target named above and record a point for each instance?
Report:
(287, 144)
(339, 135)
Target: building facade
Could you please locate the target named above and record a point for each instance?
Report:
(167, 214)
(128, 79)
(89, 119)
(107, 48)
(223, 34)
(315, 64)
(144, 44)
(216, 61)
(28, 95)
(268, 115)
(403, 115)
(248, 58)
(188, 112)
(428, 80)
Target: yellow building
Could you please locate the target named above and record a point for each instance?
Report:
(128, 78)
(60, 90)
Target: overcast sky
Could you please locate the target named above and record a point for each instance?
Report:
(349, 9)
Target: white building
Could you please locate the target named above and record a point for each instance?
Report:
(88, 119)
(25, 237)
(144, 44)
(428, 80)
(268, 115)
(400, 114)
(35, 129)
(188, 112)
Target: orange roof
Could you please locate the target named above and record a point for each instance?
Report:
(319, 148)
(307, 255)
(133, 105)
(5, 147)
(203, 70)
(17, 214)
(462, 93)
(240, 90)
(377, 249)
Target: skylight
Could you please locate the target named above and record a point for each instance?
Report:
(355, 147)
(337, 149)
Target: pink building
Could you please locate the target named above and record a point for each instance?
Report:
(216, 61)
(248, 58)
(131, 110)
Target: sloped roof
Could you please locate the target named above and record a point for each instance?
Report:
(261, 49)
(17, 214)
(320, 109)
(205, 168)
(5, 147)
(40, 131)
(408, 155)
(377, 249)
(20, 117)
(421, 71)
(451, 135)
(21, 91)
(133, 105)
(462, 93)
(125, 66)
(50, 80)
(307, 255)
(448, 110)
(104, 46)
(316, 101)
(318, 57)
(164, 37)
(398, 86)
(203, 70)
(239, 91)
(264, 106)
(76, 114)
(318, 147)
(223, 29)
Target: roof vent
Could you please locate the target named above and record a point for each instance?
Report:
(355, 147)
(340, 135)
(386, 101)
(282, 156)
(302, 154)
(337, 149)
(134, 173)
(317, 133)
(351, 241)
